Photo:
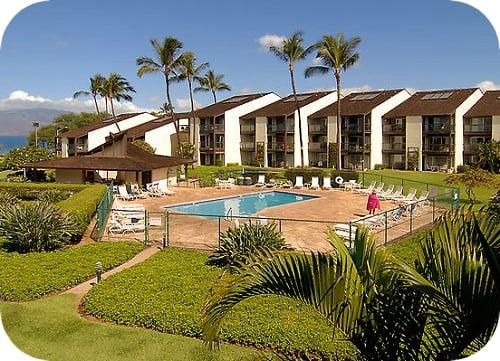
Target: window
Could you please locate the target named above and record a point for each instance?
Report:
(299, 98)
(436, 96)
(365, 96)
(236, 99)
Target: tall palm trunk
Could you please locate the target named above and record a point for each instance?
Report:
(339, 123)
(215, 98)
(112, 106)
(191, 118)
(301, 143)
(106, 102)
(172, 114)
(95, 102)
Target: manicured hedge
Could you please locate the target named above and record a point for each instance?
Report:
(25, 277)
(31, 191)
(168, 291)
(82, 205)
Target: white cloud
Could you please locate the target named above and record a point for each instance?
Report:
(20, 99)
(267, 40)
(244, 91)
(157, 100)
(488, 85)
(184, 104)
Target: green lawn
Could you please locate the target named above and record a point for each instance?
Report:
(25, 277)
(168, 291)
(50, 329)
(3, 175)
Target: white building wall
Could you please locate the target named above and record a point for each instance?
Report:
(232, 138)
(98, 136)
(459, 125)
(495, 127)
(414, 136)
(376, 125)
(305, 112)
(64, 147)
(159, 139)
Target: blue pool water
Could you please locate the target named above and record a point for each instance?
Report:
(245, 205)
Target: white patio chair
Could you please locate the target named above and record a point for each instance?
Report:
(299, 182)
(327, 183)
(366, 190)
(387, 192)
(261, 182)
(314, 183)
(123, 194)
(397, 194)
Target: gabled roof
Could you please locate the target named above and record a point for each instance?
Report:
(141, 129)
(75, 133)
(223, 106)
(135, 160)
(357, 103)
(286, 106)
(488, 105)
(436, 102)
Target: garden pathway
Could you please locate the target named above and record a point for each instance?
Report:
(84, 287)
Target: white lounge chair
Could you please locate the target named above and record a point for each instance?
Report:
(288, 184)
(409, 197)
(314, 183)
(366, 190)
(123, 194)
(261, 182)
(423, 200)
(387, 192)
(137, 192)
(397, 194)
(299, 182)
(163, 189)
(116, 226)
(380, 188)
(327, 183)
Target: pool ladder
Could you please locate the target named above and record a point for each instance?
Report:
(229, 214)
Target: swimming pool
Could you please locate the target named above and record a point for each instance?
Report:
(244, 205)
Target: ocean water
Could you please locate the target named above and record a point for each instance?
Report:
(8, 142)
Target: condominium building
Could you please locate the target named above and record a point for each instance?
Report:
(272, 132)
(481, 124)
(217, 132)
(426, 132)
(88, 138)
(361, 128)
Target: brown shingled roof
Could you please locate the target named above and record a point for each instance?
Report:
(75, 133)
(135, 160)
(488, 105)
(285, 106)
(141, 129)
(357, 107)
(223, 106)
(416, 106)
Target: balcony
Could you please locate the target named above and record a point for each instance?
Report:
(280, 128)
(394, 147)
(350, 147)
(208, 147)
(77, 148)
(247, 128)
(211, 128)
(394, 128)
(439, 148)
(317, 147)
(248, 146)
(317, 128)
(477, 128)
(471, 148)
(356, 128)
(437, 128)
(280, 147)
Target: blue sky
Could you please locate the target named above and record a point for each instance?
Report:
(50, 49)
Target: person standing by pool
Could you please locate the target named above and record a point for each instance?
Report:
(373, 203)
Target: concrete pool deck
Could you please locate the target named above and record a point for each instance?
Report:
(331, 207)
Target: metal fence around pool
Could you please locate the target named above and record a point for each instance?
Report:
(195, 231)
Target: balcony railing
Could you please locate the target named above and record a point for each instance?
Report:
(280, 128)
(393, 147)
(317, 147)
(247, 146)
(356, 128)
(281, 146)
(247, 128)
(471, 148)
(317, 128)
(477, 128)
(394, 128)
(209, 128)
(355, 147)
(439, 148)
(77, 148)
(437, 128)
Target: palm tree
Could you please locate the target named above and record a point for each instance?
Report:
(190, 71)
(292, 50)
(212, 82)
(168, 59)
(96, 86)
(118, 88)
(336, 54)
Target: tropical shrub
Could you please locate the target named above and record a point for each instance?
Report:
(7, 198)
(139, 143)
(35, 227)
(380, 166)
(471, 179)
(53, 195)
(237, 244)
(19, 156)
(462, 168)
(25, 277)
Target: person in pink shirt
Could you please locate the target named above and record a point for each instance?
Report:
(373, 203)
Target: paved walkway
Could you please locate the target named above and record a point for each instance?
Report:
(83, 288)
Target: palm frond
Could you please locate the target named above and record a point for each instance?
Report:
(81, 93)
(315, 70)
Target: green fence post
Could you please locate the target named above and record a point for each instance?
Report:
(218, 235)
(411, 218)
(350, 234)
(146, 226)
(168, 229)
(433, 209)
(385, 230)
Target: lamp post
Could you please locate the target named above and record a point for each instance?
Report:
(36, 125)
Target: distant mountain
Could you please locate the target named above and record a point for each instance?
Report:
(20, 121)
